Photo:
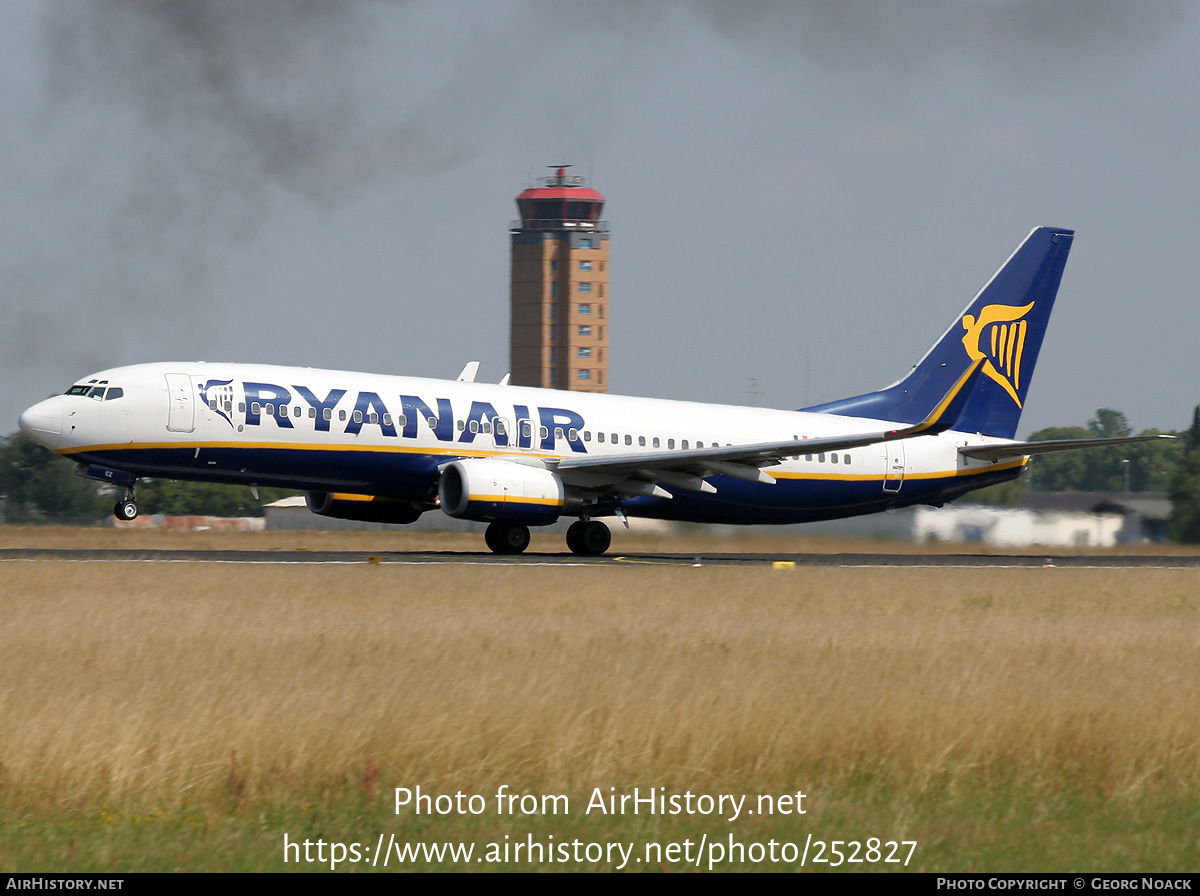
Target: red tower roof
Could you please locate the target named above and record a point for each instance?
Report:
(561, 202)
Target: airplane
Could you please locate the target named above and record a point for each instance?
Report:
(390, 448)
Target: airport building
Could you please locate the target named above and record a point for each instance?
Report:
(559, 317)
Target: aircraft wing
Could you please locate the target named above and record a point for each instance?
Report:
(1026, 449)
(688, 468)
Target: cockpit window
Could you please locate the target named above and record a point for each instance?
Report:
(97, 392)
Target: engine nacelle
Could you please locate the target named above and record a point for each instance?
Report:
(366, 508)
(489, 490)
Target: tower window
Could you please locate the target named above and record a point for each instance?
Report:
(585, 374)
(585, 287)
(584, 330)
(585, 265)
(585, 352)
(585, 243)
(585, 309)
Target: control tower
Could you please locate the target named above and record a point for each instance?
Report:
(559, 319)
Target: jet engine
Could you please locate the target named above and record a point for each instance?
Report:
(366, 508)
(491, 490)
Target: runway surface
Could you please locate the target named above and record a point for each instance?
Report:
(1074, 561)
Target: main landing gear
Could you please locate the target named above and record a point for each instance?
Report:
(506, 538)
(588, 538)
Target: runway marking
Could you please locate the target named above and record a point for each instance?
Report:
(435, 558)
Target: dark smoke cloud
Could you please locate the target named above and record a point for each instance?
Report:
(179, 127)
(250, 94)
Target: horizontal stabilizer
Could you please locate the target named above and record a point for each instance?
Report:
(1026, 449)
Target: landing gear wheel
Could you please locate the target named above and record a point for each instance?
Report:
(506, 538)
(126, 510)
(588, 539)
(573, 535)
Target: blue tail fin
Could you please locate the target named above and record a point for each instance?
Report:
(1003, 326)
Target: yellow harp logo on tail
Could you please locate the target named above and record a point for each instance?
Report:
(998, 337)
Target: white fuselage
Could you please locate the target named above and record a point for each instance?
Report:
(390, 436)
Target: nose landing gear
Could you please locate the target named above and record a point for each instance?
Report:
(126, 509)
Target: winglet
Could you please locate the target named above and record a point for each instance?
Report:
(468, 372)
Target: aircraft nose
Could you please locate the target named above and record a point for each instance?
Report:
(44, 421)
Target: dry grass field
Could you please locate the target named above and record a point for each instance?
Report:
(187, 716)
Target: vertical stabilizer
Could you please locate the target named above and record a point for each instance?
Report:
(1003, 327)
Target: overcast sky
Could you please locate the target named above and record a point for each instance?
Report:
(802, 195)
